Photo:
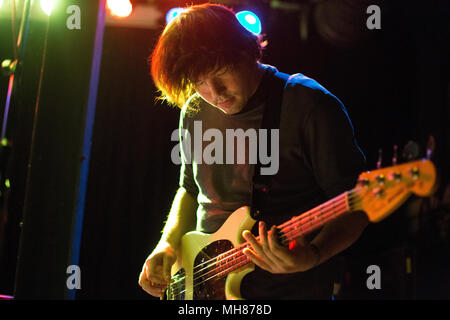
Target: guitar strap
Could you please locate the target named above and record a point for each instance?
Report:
(270, 120)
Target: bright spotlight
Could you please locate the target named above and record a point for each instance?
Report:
(172, 14)
(47, 6)
(119, 8)
(250, 21)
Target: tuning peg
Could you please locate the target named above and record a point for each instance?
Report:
(430, 147)
(364, 182)
(378, 192)
(395, 176)
(410, 151)
(380, 158)
(414, 172)
(380, 178)
(395, 157)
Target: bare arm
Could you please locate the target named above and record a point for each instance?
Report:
(155, 273)
(181, 218)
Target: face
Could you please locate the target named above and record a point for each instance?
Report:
(227, 89)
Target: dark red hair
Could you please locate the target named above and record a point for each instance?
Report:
(202, 39)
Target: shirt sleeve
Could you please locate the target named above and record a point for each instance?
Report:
(186, 180)
(331, 149)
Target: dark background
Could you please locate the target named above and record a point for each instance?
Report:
(394, 82)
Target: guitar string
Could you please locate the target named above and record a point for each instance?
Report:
(315, 212)
(238, 250)
(230, 256)
(299, 232)
(336, 203)
(353, 202)
(353, 205)
(294, 220)
(246, 260)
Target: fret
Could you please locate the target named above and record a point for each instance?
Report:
(289, 231)
(360, 198)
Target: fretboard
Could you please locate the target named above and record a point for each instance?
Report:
(290, 230)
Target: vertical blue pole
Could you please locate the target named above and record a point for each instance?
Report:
(87, 140)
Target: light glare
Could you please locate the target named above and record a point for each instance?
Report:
(47, 6)
(249, 21)
(172, 14)
(119, 8)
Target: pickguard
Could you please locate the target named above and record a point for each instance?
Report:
(207, 285)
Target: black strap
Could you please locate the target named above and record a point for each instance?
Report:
(270, 120)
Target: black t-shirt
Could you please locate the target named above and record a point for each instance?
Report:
(318, 159)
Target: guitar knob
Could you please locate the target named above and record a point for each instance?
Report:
(396, 176)
(415, 172)
(380, 178)
(380, 158)
(363, 182)
(378, 192)
(430, 147)
(394, 158)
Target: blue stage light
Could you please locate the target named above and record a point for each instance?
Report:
(250, 21)
(172, 14)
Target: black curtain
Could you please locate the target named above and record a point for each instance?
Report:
(132, 179)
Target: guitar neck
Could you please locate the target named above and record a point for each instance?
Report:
(378, 193)
(294, 228)
(315, 218)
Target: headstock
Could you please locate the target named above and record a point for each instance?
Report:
(380, 192)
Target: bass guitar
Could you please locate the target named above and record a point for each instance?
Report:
(212, 266)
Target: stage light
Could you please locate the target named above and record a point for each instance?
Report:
(119, 8)
(172, 13)
(47, 6)
(250, 21)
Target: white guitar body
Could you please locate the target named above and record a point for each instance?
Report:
(194, 242)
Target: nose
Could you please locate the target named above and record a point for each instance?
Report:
(217, 88)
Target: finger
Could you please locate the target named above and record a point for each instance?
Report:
(263, 234)
(167, 265)
(302, 241)
(257, 249)
(270, 249)
(154, 291)
(151, 288)
(153, 270)
(274, 242)
(251, 239)
(253, 242)
(149, 266)
(279, 252)
(255, 259)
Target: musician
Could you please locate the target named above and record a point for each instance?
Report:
(206, 63)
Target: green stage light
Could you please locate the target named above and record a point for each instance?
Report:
(47, 6)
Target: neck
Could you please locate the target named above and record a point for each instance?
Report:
(258, 72)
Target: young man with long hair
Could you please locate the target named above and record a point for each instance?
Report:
(210, 66)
